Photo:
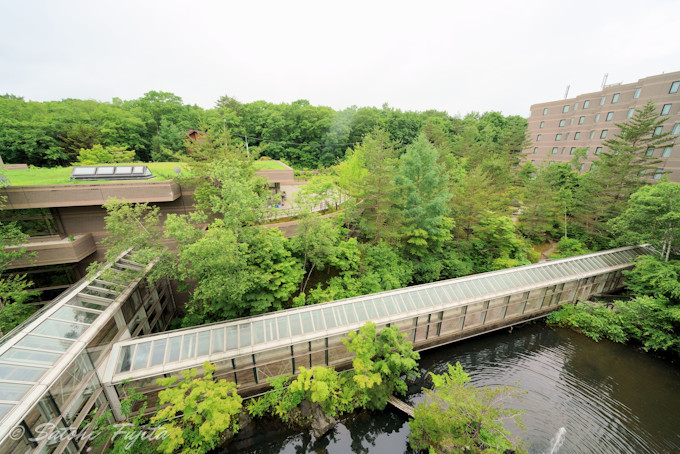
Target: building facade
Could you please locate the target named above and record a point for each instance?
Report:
(66, 222)
(557, 128)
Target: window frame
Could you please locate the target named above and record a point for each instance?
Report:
(667, 152)
(638, 90)
(674, 87)
(609, 117)
(630, 113)
(615, 98)
(565, 109)
(666, 109)
(545, 111)
(586, 104)
(562, 123)
(603, 133)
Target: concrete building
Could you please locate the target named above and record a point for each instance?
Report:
(558, 128)
(65, 222)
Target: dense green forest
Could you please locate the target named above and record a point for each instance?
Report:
(155, 126)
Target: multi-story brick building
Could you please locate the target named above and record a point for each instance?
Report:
(558, 128)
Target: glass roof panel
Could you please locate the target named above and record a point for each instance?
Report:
(340, 314)
(282, 322)
(217, 340)
(45, 343)
(361, 311)
(307, 324)
(270, 329)
(350, 312)
(380, 307)
(105, 170)
(244, 335)
(21, 373)
(13, 391)
(468, 292)
(329, 317)
(123, 170)
(158, 352)
(142, 356)
(74, 315)
(455, 288)
(258, 332)
(60, 329)
(232, 337)
(97, 305)
(485, 285)
(370, 309)
(30, 357)
(203, 345)
(317, 316)
(295, 328)
(4, 409)
(83, 170)
(174, 348)
(138, 170)
(443, 297)
(188, 346)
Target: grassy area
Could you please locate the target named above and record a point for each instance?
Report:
(61, 175)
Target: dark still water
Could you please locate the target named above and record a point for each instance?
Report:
(609, 398)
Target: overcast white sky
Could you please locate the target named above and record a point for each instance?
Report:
(447, 55)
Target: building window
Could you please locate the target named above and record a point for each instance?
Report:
(535, 150)
(575, 106)
(580, 169)
(657, 174)
(667, 152)
(545, 111)
(562, 123)
(587, 151)
(603, 134)
(657, 131)
(602, 100)
(592, 134)
(615, 98)
(650, 152)
(610, 115)
(538, 138)
(597, 118)
(565, 109)
(566, 137)
(581, 120)
(592, 166)
(676, 128)
(666, 109)
(637, 93)
(642, 172)
(674, 87)
(598, 150)
(541, 125)
(572, 150)
(571, 121)
(586, 103)
(558, 137)
(631, 112)
(554, 150)
(577, 135)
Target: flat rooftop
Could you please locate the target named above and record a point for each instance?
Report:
(162, 171)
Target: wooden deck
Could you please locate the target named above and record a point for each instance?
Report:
(400, 405)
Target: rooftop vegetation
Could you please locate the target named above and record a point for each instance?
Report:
(162, 171)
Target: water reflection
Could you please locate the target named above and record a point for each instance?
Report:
(608, 398)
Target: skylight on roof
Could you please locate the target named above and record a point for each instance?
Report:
(111, 172)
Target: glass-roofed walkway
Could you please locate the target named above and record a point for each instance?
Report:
(249, 350)
(72, 357)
